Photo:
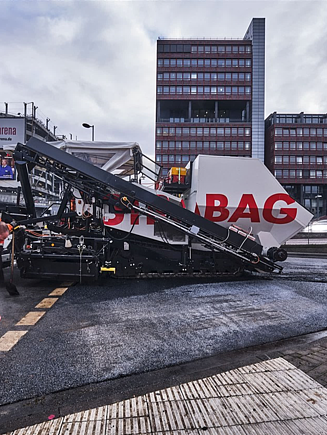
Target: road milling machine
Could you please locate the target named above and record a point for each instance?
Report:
(219, 216)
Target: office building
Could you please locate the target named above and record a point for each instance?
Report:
(210, 97)
(18, 123)
(296, 153)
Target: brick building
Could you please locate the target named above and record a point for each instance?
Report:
(210, 97)
(296, 153)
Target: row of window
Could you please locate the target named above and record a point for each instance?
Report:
(300, 160)
(200, 90)
(203, 145)
(301, 131)
(221, 49)
(312, 189)
(187, 76)
(188, 48)
(174, 158)
(207, 63)
(297, 119)
(203, 131)
(300, 173)
(285, 146)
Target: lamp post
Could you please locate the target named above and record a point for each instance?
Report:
(86, 125)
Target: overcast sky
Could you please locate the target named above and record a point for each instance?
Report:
(95, 61)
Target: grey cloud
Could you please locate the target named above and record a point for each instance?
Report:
(94, 61)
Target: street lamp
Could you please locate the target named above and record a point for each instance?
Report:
(86, 125)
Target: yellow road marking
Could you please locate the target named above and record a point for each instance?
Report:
(46, 303)
(9, 339)
(58, 291)
(31, 318)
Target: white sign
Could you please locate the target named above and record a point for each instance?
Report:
(12, 130)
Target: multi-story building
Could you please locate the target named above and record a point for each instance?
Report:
(296, 153)
(18, 123)
(210, 97)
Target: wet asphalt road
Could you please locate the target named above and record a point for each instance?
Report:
(119, 328)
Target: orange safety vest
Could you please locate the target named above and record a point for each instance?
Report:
(10, 228)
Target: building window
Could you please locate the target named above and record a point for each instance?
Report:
(278, 173)
(278, 160)
(278, 145)
(185, 145)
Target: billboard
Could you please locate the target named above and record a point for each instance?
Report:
(7, 167)
(12, 130)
